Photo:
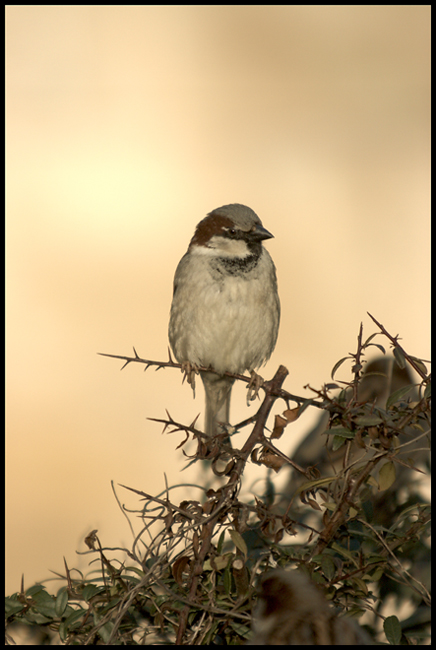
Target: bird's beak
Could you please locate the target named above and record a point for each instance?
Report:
(259, 232)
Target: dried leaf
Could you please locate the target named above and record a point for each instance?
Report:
(168, 520)
(368, 420)
(279, 427)
(292, 414)
(195, 543)
(179, 567)
(183, 441)
(208, 506)
(91, 539)
(313, 504)
(219, 562)
(229, 468)
(359, 440)
(271, 460)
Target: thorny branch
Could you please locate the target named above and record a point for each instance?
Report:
(416, 364)
(191, 571)
(198, 524)
(231, 489)
(283, 394)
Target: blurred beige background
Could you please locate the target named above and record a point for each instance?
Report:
(125, 126)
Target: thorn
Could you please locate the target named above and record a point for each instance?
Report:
(194, 421)
(136, 354)
(169, 416)
(70, 584)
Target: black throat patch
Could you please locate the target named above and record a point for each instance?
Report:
(236, 265)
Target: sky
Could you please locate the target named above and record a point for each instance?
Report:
(125, 126)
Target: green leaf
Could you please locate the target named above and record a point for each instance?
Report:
(239, 541)
(37, 618)
(45, 604)
(387, 476)
(240, 628)
(61, 602)
(421, 365)
(340, 431)
(338, 365)
(337, 442)
(371, 481)
(332, 386)
(219, 562)
(74, 619)
(370, 339)
(91, 590)
(221, 542)
(210, 636)
(32, 591)
(135, 569)
(106, 630)
(12, 607)
(377, 345)
(63, 631)
(303, 406)
(361, 585)
(392, 628)
(375, 577)
(368, 420)
(316, 483)
(228, 580)
(398, 395)
(345, 552)
(328, 567)
(399, 358)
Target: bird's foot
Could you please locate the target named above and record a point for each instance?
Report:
(189, 371)
(256, 382)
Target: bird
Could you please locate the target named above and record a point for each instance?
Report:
(225, 310)
(381, 378)
(292, 611)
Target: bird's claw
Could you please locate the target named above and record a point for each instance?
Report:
(189, 371)
(255, 383)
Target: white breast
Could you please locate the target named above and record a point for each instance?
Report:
(227, 321)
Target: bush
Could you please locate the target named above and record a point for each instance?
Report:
(356, 524)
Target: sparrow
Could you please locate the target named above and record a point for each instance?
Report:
(225, 310)
(291, 611)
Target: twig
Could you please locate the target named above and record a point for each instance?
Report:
(282, 394)
(228, 491)
(394, 341)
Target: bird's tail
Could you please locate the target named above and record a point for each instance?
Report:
(218, 390)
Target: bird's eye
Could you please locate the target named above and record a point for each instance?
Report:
(232, 231)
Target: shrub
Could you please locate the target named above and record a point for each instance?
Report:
(358, 527)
